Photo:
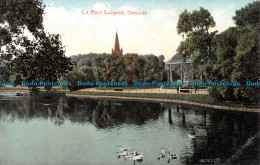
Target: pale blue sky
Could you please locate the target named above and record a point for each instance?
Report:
(153, 4)
(153, 33)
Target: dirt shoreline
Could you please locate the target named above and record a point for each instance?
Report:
(169, 101)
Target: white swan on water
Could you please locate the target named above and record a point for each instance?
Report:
(164, 151)
(137, 156)
(123, 153)
(191, 136)
(123, 148)
(162, 154)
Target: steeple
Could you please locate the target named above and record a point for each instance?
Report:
(117, 51)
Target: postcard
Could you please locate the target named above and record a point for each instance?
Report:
(113, 82)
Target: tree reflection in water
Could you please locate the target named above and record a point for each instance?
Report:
(219, 134)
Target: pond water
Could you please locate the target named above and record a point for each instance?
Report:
(60, 130)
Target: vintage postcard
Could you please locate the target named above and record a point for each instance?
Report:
(123, 82)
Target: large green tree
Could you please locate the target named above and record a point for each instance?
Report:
(198, 40)
(116, 70)
(238, 59)
(134, 67)
(249, 15)
(99, 66)
(39, 57)
(42, 60)
(15, 17)
(152, 69)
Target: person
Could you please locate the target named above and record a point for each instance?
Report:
(196, 88)
(178, 89)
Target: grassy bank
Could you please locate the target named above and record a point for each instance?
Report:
(127, 87)
(15, 89)
(203, 99)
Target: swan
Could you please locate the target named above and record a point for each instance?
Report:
(164, 151)
(191, 136)
(129, 157)
(123, 149)
(137, 156)
(123, 153)
(160, 156)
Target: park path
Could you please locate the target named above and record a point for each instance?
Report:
(154, 90)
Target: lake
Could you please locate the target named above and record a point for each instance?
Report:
(58, 130)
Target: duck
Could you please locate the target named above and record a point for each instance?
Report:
(172, 156)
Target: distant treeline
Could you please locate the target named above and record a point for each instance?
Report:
(107, 67)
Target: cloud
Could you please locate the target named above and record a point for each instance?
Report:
(143, 34)
(223, 19)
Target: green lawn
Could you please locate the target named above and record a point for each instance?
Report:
(27, 89)
(13, 89)
(203, 99)
(127, 87)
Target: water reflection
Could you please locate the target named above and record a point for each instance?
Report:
(145, 126)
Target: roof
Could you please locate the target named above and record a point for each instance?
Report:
(177, 60)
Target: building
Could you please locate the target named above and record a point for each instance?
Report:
(178, 61)
(117, 51)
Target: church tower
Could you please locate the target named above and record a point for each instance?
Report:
(117, 51)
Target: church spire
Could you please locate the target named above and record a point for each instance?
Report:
(116, 50)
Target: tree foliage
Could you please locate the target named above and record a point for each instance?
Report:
(249, 15)
(74, 76)
(238, 60)
(128, 68)
(231, 56)
(134, 67)
(39, 57)
(199, 41)
(42, 60)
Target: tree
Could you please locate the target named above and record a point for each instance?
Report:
(134, 67)
(88, 72)
(42, 60)
(247, 63)
(152, 69)
(161, 62)
(237, 51)
(116, 70)
(99, 66)
(74, 76)
(199, 41)
(21, 14)
(15, 16)
(249, 15)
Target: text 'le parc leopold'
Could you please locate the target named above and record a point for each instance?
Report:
(119, 12)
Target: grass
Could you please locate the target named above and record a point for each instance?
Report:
(191, 87)
(203, 99)
(127, 87)
(13, 89)
(27, 89)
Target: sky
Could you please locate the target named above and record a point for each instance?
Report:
(153, 33)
